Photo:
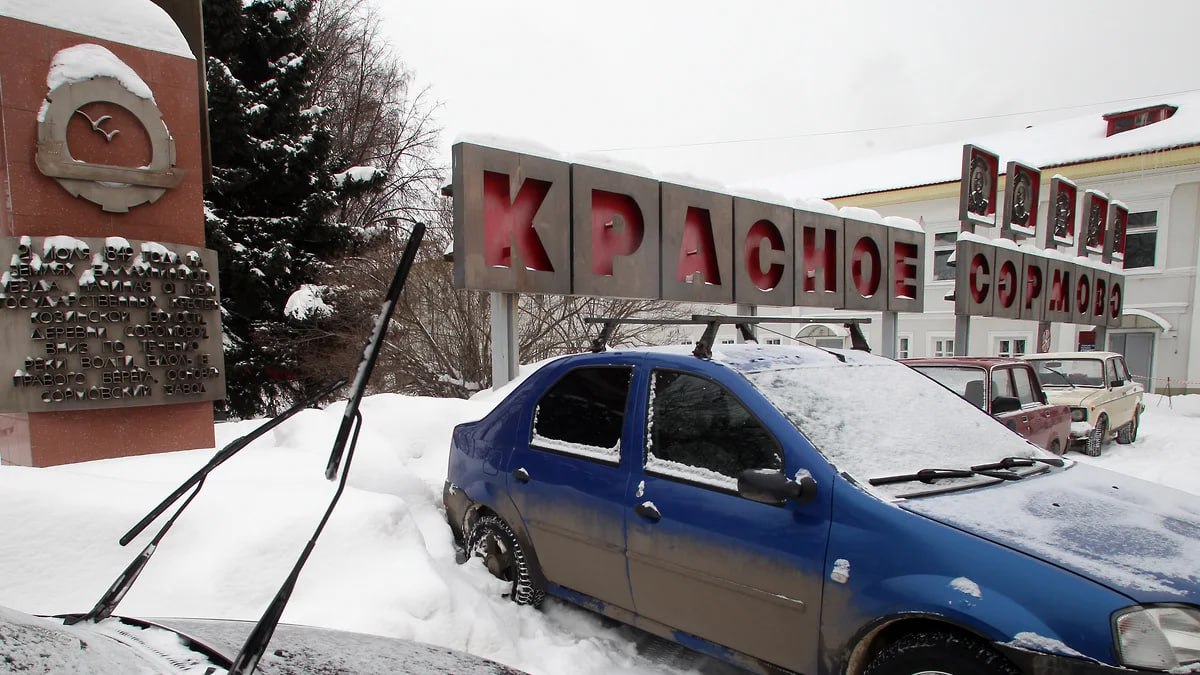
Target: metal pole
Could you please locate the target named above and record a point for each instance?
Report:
(505, 356)
(747, 310)
(962, 334)
(889, 325)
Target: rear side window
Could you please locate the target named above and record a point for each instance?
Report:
(700, 432)
(1002, 383)
(583, 413)
(1024, 385)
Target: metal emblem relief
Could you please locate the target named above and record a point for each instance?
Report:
(114, 188)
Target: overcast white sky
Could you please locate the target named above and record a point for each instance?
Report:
(675, 85)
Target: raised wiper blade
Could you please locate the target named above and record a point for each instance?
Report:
(116, 592)
(230, 449)
(1010, 462)
(930, 475)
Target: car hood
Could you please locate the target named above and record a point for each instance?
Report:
(1078, 396)
(1136, 537)
(133, 646)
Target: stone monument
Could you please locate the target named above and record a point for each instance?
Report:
(110, 333)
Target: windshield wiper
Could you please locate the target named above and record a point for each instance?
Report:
(1010, 462)
(1060, 374)
(928, 476)
(347, 439)
(108, 602)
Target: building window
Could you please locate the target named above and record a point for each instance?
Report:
(943, 347)
(772, 341)
(943, 248)
(726, 342)
(1133, 119)
(903, 346)
(1011, 347)
(1141, 239)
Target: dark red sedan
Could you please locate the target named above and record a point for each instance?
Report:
(1007, 389)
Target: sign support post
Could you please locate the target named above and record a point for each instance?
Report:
(889, 325)
(505, 347)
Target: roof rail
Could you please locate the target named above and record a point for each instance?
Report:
(712, 322)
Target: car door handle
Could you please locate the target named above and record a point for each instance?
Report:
(648, 511)
(1025, 418)
(521, 475)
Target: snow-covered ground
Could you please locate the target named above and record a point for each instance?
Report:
(386, 562)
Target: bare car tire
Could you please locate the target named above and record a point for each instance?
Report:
(1128, 433)
(1096, 439)
(941, 654)
(493, 540)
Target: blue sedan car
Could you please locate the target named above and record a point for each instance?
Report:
(821, 511)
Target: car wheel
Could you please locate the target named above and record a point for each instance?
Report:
(1095, 440)
(1056, 447)
(1128, 433)
(939, 654)
(493, 540)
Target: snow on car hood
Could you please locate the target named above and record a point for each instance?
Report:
(1136, 537)
(44, 645)
(305, 649)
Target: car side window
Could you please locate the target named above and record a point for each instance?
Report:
(1123, 370)
(1002, 384)
(699, 432)
(1110, 368)
(584, 412)
(1025, 390)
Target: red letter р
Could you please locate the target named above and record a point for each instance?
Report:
(617, 229)
(697, 251)
(507, 222)
(768, 277)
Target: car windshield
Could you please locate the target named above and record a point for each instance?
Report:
(966, 381)
(879, 418)
(1070, 372)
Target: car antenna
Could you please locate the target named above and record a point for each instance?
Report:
(116, 592)
(256, 643)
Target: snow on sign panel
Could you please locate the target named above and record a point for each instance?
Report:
(107, 323)
(527, 223)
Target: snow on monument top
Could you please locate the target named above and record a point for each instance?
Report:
(138, 23)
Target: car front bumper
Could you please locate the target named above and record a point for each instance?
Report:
(1080, 430)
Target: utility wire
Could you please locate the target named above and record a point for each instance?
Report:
(761, 139)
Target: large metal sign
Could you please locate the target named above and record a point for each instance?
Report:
(527, 224)
(107, 323)
(997, 278)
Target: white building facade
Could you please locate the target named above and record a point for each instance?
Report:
(1148, 158)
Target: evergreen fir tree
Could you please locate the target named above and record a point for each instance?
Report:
(270, 208)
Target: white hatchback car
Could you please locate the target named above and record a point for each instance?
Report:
(1103, 397)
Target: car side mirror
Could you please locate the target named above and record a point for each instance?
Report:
(1117, 383)
(1005, 404)
(771, 486)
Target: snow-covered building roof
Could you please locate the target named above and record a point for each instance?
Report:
(1070, 141)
